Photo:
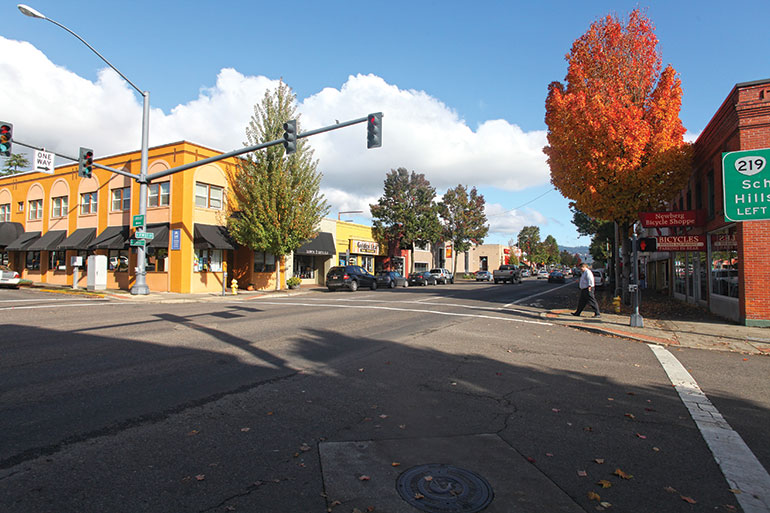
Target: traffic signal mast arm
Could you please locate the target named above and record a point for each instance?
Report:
(77, 159)
(235, 153)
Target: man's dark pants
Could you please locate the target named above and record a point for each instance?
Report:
(587, 297)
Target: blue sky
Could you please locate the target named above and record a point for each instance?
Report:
(462, 87)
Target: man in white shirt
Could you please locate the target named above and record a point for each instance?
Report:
(587, 286)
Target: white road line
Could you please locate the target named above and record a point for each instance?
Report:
(35, 307)
(536, 295)
(412, 310)
(741, 468)
(39, 300)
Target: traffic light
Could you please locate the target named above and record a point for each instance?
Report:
(647, 244)
(290, 136)
(85, 162)
(374, 130)
(6, 137)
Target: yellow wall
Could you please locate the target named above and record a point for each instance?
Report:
(353, 231)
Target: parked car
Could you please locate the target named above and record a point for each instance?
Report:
(556, 277)
(542, 274)
(442, 275)
(507, 273)
(391, 280)
(525, 273)
(600, 277)
(422, 278)
(483, 276)
(9, 277)
(350, 277)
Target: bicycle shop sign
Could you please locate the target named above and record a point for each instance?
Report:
(677, 218)
(681, 242)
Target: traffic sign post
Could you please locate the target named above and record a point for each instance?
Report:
(138, 242)
(138, 221)
(746, 185)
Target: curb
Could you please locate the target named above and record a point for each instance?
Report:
(602, 330)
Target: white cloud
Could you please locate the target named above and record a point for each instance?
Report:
(65, 111)
(508, 223)
(691, 137)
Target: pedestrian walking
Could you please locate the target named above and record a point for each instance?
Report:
(587, 285)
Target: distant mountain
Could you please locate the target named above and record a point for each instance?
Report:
(585, 256)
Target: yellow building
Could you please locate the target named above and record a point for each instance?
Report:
(47, 219)
(356, 246)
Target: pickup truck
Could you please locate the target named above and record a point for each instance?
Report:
(509, 273)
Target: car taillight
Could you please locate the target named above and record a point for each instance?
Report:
(345, 276)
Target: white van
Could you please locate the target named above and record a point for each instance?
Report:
(600, 277)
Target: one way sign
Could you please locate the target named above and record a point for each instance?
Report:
(44, 162)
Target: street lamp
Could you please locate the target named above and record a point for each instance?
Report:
(140, 284)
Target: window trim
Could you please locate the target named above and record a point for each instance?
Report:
(63, 207)
(159, 195)
(93, 203)
(35, 208)
(5, 212)
(208, 197)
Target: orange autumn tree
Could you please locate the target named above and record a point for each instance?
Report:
(615, 144)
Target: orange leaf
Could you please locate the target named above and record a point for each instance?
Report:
(364, 478)
(688, 499)
(604, 483)
(622, 474)
(593, 496)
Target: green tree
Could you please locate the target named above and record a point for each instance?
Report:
(529, 242)
(406, 213)
(14, 162)
(464, 220)
(276, 203)
(551, 250)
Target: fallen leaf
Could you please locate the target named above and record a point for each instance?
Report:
(193, 432)
(370, 508)
(402, 426)
(453, 383)
(604, 483)
(364, 478)
(269, 413)
(622, 474)
(650, 409)
(643, 437)
(418, 496)
(530, 459)
(304, 447)
(356, 510)
(361, 369)
(735, 491)
(395, 464)
(630, 416)
(610, 398)
(498, 373)
(600, 461)
(200, 477)
(688, 499)
(428, 478)
(230, 508)
(593, 496)
(588, 428)
(555, 410)
(656, 449)
(670, 489)
(582, 473)
(549, 455)
(383, 416)
(245, 430)
(605, 504)
(630, 393)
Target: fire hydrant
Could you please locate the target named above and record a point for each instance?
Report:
(616, 304)
(234, 286)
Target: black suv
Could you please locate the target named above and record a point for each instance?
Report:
(351, 277)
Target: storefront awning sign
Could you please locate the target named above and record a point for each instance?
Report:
(364, 247)
(681, 243)
(675, 218)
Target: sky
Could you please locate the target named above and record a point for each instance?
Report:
(461, 86)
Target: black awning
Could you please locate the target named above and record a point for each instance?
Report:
(208, 236)
(79, 239)
(161, 236)
(48, 241)
(23, 242)
(113, 237)
(9, 232)
(322, 244)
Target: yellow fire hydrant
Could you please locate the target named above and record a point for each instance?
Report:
(234, 286)
(616, 304)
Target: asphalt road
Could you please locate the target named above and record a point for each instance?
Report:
(246, 405)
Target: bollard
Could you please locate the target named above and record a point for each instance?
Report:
(234, 286)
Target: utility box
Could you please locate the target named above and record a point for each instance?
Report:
(97, 272)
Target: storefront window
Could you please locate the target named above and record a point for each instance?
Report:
(304, 267)
(156, 259)
(84, 254)
(4, 257)
(33, 260)
(680, 273)
(118, 260)
(207, 260)
(57, 261)
(264, 262)
(724, 263)
(367, 262)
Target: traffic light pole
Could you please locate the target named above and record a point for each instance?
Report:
(636, 319)
(140, 283)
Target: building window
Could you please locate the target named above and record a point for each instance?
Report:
(158, 194)
(304, 267)
(117, 260)
(57, 261)
(59, 206)
(698, 195)
(207, 260)
(724, 263)
(208, 196)
(680, 273)
(710, 192)
(156, 259)
(33, 260)
(21, 207)
(88, 202)
(5, 212)
(264, 262)
(35, 210)
(121, 199)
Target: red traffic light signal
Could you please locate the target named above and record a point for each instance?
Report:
(374, 130)
(85, 162)
(6, 137)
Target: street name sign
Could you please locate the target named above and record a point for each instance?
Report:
(138, 220)
(138, 242)
(144, 235)
(746, 185)
(44, 162)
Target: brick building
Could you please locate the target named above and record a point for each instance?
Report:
(731, 273)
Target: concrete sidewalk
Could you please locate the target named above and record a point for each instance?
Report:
(705, 334)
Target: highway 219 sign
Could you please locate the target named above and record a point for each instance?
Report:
(746, 185)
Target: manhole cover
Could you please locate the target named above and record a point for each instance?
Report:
(444, 489)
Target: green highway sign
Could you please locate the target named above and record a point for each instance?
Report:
(138, 242)
(138, 221)
(144, 235)
(746, 185)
